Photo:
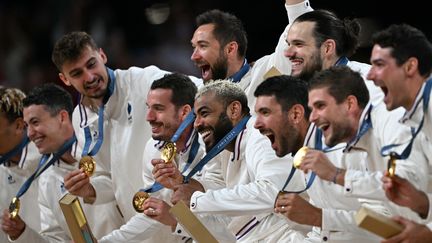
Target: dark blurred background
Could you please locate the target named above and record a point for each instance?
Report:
(145, 32)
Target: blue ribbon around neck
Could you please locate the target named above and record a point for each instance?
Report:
(87, 133)
(385, 151)
(192, 154)
(43, 165)
(218, 147)
(241, 73)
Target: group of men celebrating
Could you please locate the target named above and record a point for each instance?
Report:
(235, 132)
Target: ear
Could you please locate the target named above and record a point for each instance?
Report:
(296, 113)
(232, 48)
(64, 116)
(184, 111)
(411, 66)
(352, 103)
(328, 47)
(64, 79)
(19, 124)
(234, 111)
(103, 55)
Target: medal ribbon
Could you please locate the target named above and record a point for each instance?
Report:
(407, 151)
(24, 141)
(342, 61)
(318, 146)
(364, 127)
(87, 133)
(43, 165)
(239, 75)
(192, 154)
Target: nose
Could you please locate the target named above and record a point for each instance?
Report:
(258, 123)
(371, 75)
(195, 55)
(198, 122)
(30, 132)
(313, 117)
(289, 51)
(150, 115)
(88, 76)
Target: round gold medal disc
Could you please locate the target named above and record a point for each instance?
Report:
(298, 157)
(88, 164)
(138, 201)
(14, 207)
(168, 152)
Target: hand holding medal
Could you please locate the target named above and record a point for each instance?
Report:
(168, 152)
(88, 164)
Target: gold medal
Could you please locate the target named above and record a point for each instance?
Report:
(391, 164)
(299, 156)
(14, 207)
(88, 164)
(168, 152)
(138, 201)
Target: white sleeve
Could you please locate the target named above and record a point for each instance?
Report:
(268, 174)
(104, 189)
(212, 176)
(216, 226)
(295, 10)
(30, 235)
(137, 229)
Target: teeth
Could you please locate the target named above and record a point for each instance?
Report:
(322, 126)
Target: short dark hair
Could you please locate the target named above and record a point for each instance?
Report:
(328, 26)
(70, 47)
(406, 41)
(341, 82)
(11, 103)
(288, 91)
(182, 87)
(53, 97)
(227, 28)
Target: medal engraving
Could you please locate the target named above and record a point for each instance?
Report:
(138, 201)
(299, 156)
(14, 207)
(88, 164)
(168, 152)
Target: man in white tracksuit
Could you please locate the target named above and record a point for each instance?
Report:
(47, 112)
(407, 88)
(361, 155)
(283, 116)
(252, 172)
(169, 102)
(19, 158)
(125, 105)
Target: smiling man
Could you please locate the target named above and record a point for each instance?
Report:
(401, 65)
(47, 114)
(253, 174)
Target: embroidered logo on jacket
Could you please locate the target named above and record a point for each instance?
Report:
(129, 111)
(11, 180)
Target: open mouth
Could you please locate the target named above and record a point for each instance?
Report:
(205, 72)
(92, 85)
(205, 134)
(268, 134)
